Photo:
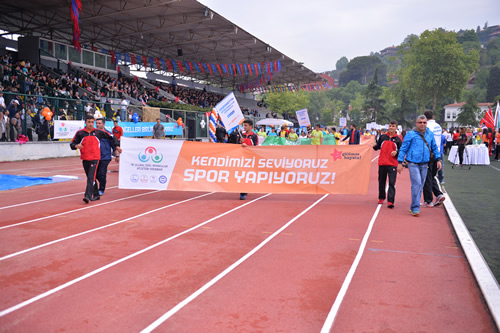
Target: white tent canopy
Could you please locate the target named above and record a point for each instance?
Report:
(274, 122)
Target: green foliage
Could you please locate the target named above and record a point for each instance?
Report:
(361, 69)
(288, 101)
(323, 109)
(493, 51)
(177, 106)
(469, 112)
(341, 63)
(404, 111)
(436, 66)
(374, 105)
(493, 87)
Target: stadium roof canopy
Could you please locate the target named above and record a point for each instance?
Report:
(156, 28)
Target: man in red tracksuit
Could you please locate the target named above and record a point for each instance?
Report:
(248, 138)
(88, 141)
(389, 145)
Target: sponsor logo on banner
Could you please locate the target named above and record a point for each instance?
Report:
(162, 179)
(150, 153)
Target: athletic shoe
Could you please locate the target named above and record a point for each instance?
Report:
(390, 205)
(426, 204)
(414, 213)
(95, 198)
(439, 200)
(86, 200)
(242, 197)
(380, 201)
(101, 193)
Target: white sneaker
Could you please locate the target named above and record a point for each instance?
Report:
(439, 200)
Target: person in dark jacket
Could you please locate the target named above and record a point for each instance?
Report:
(389, 144)
(88, 141)
(107, 146)
(353, 136)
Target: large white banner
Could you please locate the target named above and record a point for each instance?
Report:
(230, 112)
(147, 163)
(66, 129)
(303, 117)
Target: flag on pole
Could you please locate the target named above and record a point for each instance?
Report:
(497, 122)
(488, 120)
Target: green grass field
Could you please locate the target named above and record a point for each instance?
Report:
(476, 195)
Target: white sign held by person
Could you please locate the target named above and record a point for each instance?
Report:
(66, 129)
(303, 117)
(343, 122)
(230, 113)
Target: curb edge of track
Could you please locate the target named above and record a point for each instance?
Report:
(484, 277)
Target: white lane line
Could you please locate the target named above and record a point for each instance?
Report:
(41, 167)
(484, 277)
(98, 228)
(114, 263)
(74, 210)
(51, 171)
(327, 326)
(41, 200)
(494, 167)
(179, 306)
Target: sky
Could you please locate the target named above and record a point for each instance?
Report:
(320, 32)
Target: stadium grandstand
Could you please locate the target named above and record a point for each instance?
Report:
(76, 57)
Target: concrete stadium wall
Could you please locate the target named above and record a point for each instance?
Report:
(13, 151)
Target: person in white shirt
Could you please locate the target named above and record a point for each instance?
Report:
(123, 109)
(449, 141)
(431, 187)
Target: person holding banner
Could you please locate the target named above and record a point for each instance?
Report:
(108, 146)
(88, 141)
(317, 136)
(248, 138)
(354, 136)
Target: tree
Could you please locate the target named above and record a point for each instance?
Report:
(493, 88)
(436, 66)
(469, 112)
(404, 112)
(288, 101)
(341, 63)
(374, 105)
(362, 68)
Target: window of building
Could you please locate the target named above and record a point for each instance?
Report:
(46, 48)
(100, 60)
(109, 64)
(61, 51)
(88, 58)
(74, 55)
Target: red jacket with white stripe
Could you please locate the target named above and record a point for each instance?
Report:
(387, 144)
(91, 143)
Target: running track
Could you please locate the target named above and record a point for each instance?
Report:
(208, 262)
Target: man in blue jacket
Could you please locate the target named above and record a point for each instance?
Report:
(416, 149)
(108, 146)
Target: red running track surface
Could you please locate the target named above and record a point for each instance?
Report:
(121, 263)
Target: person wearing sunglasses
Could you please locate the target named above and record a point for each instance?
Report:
(418, 149)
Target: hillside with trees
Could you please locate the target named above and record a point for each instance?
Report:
(438, 67)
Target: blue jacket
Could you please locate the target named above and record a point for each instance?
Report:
(415, 150)
(107, 147)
